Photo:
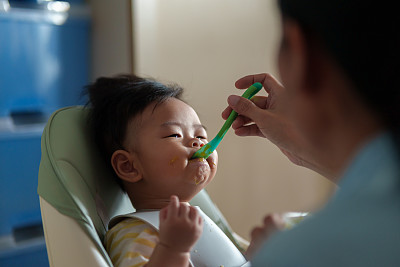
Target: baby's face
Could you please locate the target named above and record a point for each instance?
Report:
(168, 135)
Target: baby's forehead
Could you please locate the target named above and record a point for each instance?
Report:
(169, 124)
(171, 107)
(169, 112)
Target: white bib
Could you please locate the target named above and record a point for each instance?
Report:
(213, 249)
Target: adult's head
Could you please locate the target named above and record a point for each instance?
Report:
(339, 60)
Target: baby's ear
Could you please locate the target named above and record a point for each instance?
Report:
(125, 166)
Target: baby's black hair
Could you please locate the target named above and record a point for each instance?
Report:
(114, 101)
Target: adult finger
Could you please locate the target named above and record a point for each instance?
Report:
(248, 80)
(259, 101)
(249, 130)
(240, 121)
(268, 81)
(245, 107)
(227, 111)
(256, 232)
(274, 222)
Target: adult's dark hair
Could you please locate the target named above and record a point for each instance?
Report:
(114, 101)
(363, 37)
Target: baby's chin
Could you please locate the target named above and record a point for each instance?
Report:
(203, 180)
(200, 171)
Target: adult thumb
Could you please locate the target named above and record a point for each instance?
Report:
(243, 106)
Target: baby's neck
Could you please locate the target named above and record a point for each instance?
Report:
(145, 199)
(152, 204)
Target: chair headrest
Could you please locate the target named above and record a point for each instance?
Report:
(73, 177)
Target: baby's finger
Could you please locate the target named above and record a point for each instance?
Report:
(183, 210)
(173, 207)
(164, 213)
(193, 213)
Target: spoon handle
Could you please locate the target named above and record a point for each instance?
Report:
(209, 148)
(249, 93)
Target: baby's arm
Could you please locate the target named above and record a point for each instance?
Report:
(180, 227)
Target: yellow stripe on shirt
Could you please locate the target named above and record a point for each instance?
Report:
(115, 258)
(123, 238)
(150, 231)
(145, 242)
(139, 264)
(131, 243)
(132, 255)
(119, 227)
(128, 255)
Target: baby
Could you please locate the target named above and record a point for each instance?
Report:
(149, 135)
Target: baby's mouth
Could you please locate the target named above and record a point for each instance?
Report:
(202, 161)
(197, 160)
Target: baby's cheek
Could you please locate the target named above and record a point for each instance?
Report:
(173, 160)
(165, 165)
(176, 162)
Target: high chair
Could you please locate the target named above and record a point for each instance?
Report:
(78, 195)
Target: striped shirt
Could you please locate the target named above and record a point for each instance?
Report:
(131, 243)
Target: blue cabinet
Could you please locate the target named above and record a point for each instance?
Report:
(44, 55)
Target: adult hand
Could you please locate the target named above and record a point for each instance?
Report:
(255, 116)
(266, 116)
(271, 223)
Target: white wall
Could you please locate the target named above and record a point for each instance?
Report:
(205, 46)
(111, 37)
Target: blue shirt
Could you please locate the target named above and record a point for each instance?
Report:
(360, 226)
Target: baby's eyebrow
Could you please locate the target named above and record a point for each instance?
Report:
(173, 123)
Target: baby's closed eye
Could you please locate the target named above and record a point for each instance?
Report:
(174, 135)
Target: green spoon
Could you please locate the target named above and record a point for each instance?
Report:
(206, 150)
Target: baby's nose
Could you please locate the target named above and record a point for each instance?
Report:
(197, 143)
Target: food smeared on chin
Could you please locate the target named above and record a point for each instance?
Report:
(197, 181)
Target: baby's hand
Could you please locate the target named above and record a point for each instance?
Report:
(180, 226)
(272, 223)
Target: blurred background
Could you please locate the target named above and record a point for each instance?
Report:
(50, 49)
